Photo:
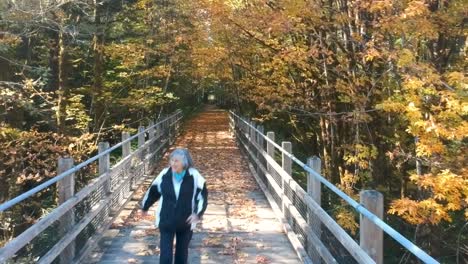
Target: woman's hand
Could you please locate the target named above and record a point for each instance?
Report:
(142, 214)
(193, 218)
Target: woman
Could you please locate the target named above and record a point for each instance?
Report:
(182, 195)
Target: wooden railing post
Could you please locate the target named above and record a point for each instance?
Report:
(371, 236)
(141, 142)
(231, 123)
(141, 139)
(314, 191)
(261, 148)
(247, 130)
(252, 132)
(244, 127)
(162, 126)
(178, 116)
(286, 164)
(169, 130)
(151, 135)
(286, 161)
(66, 189)
(104, 165)
(176, 128)
(158, 128)
(253, 141)
(173, 128)
(141, 136)
(126, 149)
(151, 131)
(270, 149)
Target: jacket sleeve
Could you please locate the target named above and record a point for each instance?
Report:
(153, 193)
(202, 200)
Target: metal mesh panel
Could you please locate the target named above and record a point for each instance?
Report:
(91, 229)
(336, 248)
(138, 171)
(83, 207)
(117, 197)
(39, 245)
(117, 175)
(275, 176)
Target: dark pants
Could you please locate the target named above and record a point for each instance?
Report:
(182, 243)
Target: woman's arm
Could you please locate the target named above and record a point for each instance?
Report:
(154, 192)
(202, 200)
(151, 196)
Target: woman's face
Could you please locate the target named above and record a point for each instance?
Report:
(176, 164)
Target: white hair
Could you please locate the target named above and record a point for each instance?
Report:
(184, 156)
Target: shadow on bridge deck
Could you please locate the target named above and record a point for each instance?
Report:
(239, 226)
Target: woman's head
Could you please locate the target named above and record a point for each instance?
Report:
(180, 159)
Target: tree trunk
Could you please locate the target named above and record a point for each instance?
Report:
(98, 41)
(62, 89)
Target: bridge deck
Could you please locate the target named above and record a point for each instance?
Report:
(239, 226)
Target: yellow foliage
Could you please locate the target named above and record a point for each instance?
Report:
(449, 192)
(405, 58)
(345, 219)
(457, 80)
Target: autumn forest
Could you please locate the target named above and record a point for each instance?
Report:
(377, 89)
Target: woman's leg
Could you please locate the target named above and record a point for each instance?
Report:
(182, 243)
(167, 240)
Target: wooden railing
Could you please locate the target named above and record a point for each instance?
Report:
(69, 232)
(303, 217)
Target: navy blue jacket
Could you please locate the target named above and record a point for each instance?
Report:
(172, 212)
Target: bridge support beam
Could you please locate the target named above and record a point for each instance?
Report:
(126, 150)
(104, 165)
(141, 136)
(270, 149)
(371, 236)
(286, 164)
(315, 191)
(141, 142)
(259, 141)
(66, 189)
(151, 131)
